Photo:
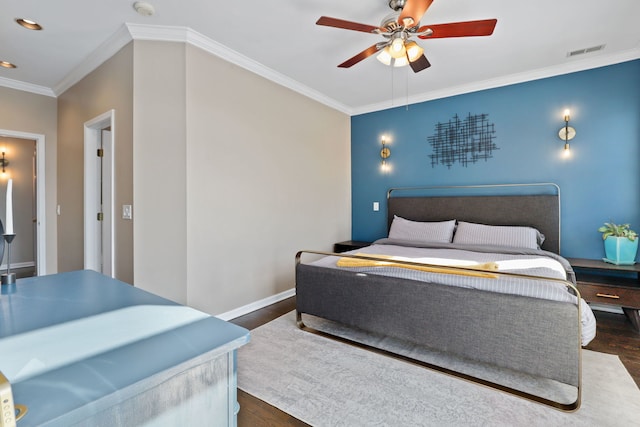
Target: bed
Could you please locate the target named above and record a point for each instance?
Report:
(471, 274)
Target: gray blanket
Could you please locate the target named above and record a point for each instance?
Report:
(529, 262)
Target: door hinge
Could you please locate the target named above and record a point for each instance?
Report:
(100, 152)
(100, 216)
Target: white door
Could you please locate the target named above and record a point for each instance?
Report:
(98, 198)
(104, 203)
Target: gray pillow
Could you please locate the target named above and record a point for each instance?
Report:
(498, 235)
(428, 232)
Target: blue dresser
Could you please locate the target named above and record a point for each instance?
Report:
(80, 348)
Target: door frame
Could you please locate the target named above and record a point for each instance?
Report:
(92, 134)
(41, 211)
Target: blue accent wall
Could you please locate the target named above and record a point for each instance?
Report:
(599, 182)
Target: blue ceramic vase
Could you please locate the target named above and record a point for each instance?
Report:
(620, 250)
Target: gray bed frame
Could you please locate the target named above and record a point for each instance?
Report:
(535, 337)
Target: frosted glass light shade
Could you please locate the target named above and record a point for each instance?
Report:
(414, 51)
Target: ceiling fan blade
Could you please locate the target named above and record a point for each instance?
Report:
(412, 12)
(460, 29)
(420, 64)
(348, 25)
(362, 55)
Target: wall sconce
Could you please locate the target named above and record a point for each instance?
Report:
(567, 133)
(4, 162)
(385, 153)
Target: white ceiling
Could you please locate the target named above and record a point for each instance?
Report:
(279, 40)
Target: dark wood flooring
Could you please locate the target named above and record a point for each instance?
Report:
(253, 411)
(615, 335)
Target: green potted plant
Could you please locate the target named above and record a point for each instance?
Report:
(620, 243)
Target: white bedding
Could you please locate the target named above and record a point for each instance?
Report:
(532, 263)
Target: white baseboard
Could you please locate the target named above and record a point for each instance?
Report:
(17, 265)
(246, 309)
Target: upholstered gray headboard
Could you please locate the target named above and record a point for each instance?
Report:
(541, 211)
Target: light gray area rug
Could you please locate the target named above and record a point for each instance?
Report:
(327, 383)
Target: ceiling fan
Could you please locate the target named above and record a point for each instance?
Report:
(400, 26)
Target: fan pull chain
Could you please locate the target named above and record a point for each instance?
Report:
(392, 92)
(406, 74)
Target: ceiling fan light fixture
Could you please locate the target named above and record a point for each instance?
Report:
(396, 54)
(414, 51)
(397, 48)
(399, 27)
(387, 57)
(400, 62)
(384, 56)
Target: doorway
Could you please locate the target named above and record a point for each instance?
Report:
(99, 143)
(38, 187)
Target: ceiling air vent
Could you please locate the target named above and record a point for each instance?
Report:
(585, 50)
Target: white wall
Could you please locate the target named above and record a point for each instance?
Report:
(232, 175)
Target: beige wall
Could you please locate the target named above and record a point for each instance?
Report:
(159, 169)
(108, 87)
(248, 173)
(25, 112)
(229, 174)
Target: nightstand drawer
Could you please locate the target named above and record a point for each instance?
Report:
(349, 245)
(616, 295)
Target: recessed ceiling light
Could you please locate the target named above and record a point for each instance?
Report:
(29, 24)
(6, 64)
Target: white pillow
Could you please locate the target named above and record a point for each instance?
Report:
(512, 236)
(426, 232)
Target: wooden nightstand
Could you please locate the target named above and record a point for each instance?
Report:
(349, 245)
(598, 283)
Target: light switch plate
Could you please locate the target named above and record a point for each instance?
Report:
(126, 212)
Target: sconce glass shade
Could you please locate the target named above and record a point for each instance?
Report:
(385, 153)
(4, 162)
(566, 133)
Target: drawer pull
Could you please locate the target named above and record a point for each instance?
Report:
(608, 296)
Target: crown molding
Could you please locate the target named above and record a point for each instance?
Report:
(106, 50)
(187, 35)
(158, 33)
(26, 87)
(571, 66)
(128, 32)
